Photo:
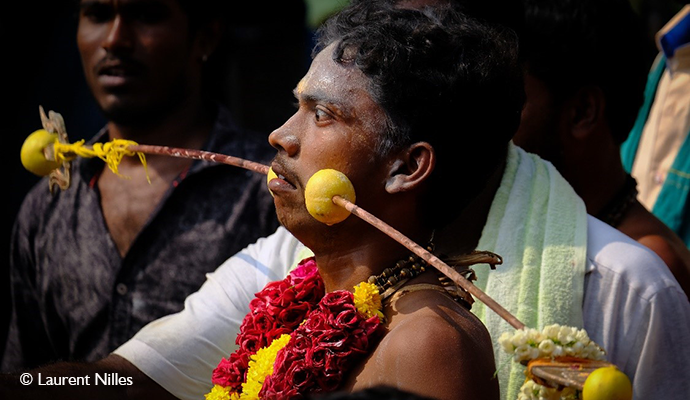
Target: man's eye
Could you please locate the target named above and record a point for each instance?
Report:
(321, 115)
(97, 12)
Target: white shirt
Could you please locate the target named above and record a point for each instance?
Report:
(633, 308)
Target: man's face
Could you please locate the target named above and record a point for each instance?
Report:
(138, 56)
(337, 125)
(540, 130)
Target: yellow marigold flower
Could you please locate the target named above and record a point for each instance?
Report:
(368, 300)
(111, 152)
(261, 366)
(218, 393)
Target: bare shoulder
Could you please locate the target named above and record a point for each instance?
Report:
(434, 347)
(649, 231)
(435, 313)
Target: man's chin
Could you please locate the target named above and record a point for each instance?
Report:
(301, 226)
(130, 113)
(309, 231)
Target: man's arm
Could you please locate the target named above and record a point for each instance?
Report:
(659, 351)
(28, 344)
(111, 378)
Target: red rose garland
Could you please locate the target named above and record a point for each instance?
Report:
(333, 337)
(328, 334)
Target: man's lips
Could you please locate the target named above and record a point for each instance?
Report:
(282, 182)
(115, 72)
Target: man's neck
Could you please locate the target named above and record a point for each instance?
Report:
(595, 173)
(369, 252)
(462, 235)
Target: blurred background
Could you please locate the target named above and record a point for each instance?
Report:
(268, 51)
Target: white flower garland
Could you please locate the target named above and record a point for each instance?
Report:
(552, 341)
(531, 390)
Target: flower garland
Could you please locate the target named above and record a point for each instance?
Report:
(297, 339)
(531, 390)
(551, 342)
(111, 153)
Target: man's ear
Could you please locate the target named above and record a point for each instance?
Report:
(411, 167)
(587, 111)
(209, 36)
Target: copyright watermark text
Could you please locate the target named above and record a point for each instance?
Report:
(104, 379)
(26, 379)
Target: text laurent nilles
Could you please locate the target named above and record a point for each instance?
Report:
(105, 379)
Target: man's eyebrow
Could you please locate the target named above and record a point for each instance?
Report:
(342, 108)
(88, 3)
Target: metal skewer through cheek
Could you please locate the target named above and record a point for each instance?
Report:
(352, 208)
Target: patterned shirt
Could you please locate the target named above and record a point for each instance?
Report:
(76, 298)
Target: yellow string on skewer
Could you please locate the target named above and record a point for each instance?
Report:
(111, 153)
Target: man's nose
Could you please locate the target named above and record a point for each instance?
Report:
(284, 138)
(119, 36)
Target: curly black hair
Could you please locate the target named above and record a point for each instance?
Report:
(441, 77)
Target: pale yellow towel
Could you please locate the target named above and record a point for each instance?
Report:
(539, 226)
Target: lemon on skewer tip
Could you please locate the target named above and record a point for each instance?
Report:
(607, 383)
(32, 155)
(269, 177)
(319, 192)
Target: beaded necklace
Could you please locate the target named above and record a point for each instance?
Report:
(617, 207)
(391, 279)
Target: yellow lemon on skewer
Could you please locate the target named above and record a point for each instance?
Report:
(32, 156)
(270, 176)
(321, 188)
(607, 383)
